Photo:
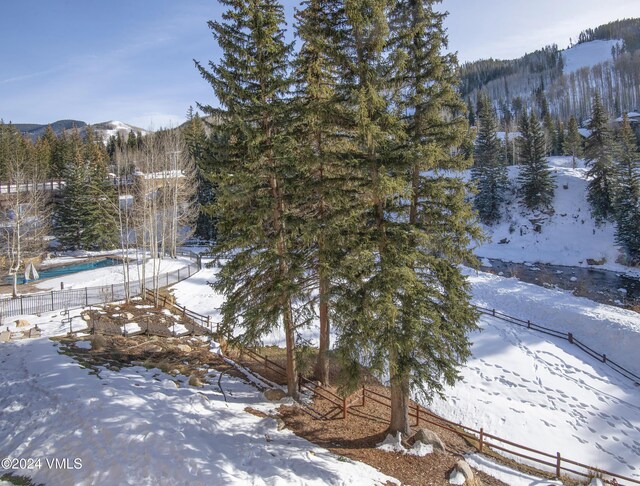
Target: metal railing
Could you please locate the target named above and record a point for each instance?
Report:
(37, 303)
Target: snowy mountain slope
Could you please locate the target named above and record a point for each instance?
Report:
(568, 237)
(103, 130)
(587, 54)
(136, 426)
(113, 127)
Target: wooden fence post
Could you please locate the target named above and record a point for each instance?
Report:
(558, 461)
(417, 415)
(344, 408)
(494, 312)
(604, 358)
(570, 337)
(481, 444)
(528, 324)
(363, 395)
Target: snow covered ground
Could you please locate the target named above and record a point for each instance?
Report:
(138, 426)
(568, 237)
(528, 387)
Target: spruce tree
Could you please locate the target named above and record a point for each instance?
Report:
(536, 185)
(69, 211)
(327, 173)
(403, 305)
(257, 232)
(628, 197)
(196, 139)
(558, 138)
(433, 314)
(86, 213)
(100, 214)
(573, 141)
(489, 172)
(599, 155)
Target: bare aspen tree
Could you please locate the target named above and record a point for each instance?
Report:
(24, 217)
(164, 206)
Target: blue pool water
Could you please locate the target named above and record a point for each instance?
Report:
(67, 269)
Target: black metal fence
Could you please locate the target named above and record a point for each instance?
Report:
(40, 302)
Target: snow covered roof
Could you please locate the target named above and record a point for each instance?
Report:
(166, 174)
(512, 135)
(585, 132)
(633, 116)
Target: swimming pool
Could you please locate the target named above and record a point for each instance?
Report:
(68, 269)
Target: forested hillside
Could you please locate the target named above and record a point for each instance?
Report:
(512, 84)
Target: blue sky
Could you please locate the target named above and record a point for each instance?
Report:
(132, 60)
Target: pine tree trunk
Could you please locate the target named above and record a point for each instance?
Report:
(415, 181)
(399, 399)
(322, 365)
(287, 317)
(292, 368)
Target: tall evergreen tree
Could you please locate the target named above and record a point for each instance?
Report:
(69, 212)
(196, 139)
(489, 172)
(558, 138)
(85, 215)
(536, 185)
(403, 305)
(599, 155)
(257, 226)
(628, 197)
(573, 141)
(325, 170)
(431, 312)
(100, 214)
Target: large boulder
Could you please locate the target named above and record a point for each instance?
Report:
(274, 394)
(98, 343)
(185, 348)
(462, 475)
(194, 380)
(429, 437)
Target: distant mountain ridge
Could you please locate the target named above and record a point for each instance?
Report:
(606, 60)
(103, 130)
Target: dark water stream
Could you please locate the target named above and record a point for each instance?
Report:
(604, 286)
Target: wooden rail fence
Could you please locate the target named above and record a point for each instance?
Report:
(567, 336)
(485, 441)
